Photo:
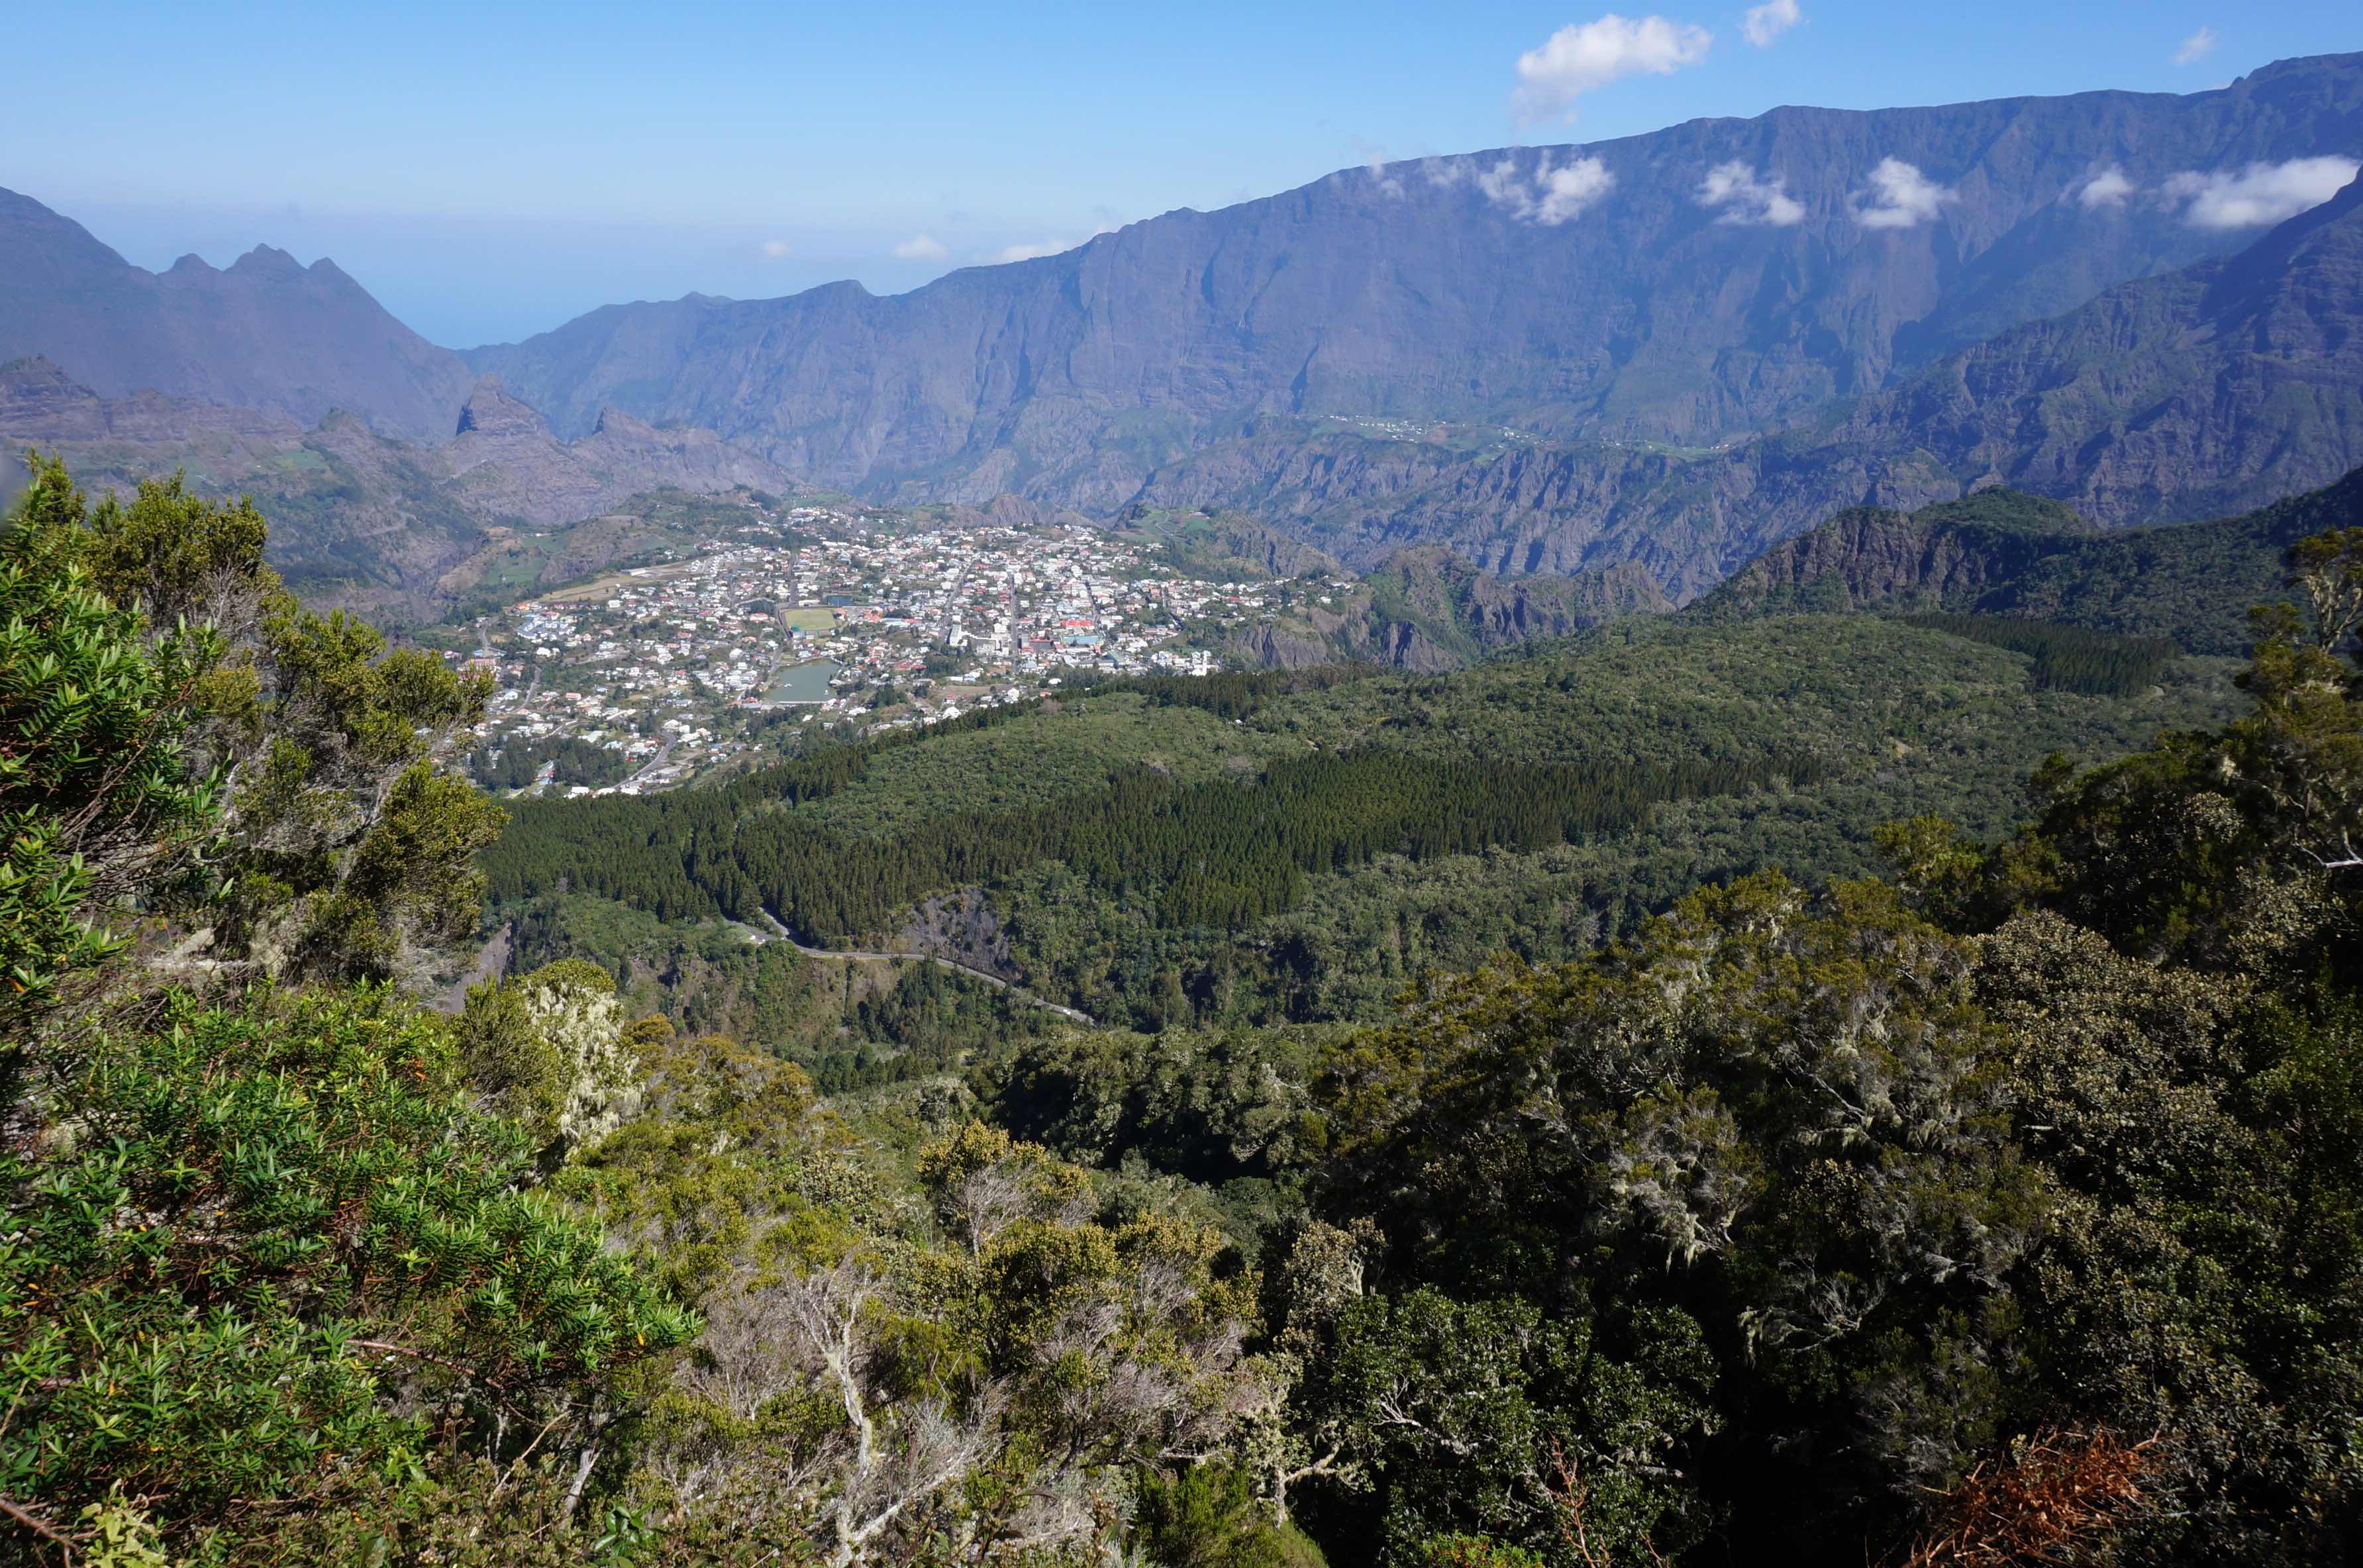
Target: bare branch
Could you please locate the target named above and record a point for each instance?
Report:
(2348, 859)
(38, 1525)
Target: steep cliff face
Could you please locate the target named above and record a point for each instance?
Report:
(1428, 610)
(265, 333)
(2000, 553)
(2217, 387)
(1946, 556)
(1531, 507)
(2184, 396)
(40, 402)
(347, 504)
(1469, 612)
(1274, 649)
(1608, 291)
(1223, 545)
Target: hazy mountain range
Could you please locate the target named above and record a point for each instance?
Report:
(360, 518)
(1674, 349)
(265, 333)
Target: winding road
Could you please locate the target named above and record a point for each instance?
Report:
(782, 934)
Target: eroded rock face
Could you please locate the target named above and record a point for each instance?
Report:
(1428, 610)
(506, 463)
(2005, 553)
(1868, 555)
(1275, 649)
(961, 926)
(39, 401)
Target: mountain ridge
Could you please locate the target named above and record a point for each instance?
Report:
(368, 519)
(2095, 407)
(1450, 351)
(2002, 554)
(1068, 378)
(265, 331)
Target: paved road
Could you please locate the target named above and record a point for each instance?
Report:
(665, 754)
(783, 934)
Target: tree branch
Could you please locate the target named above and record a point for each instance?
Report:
(2349, 860)
(38, 1525)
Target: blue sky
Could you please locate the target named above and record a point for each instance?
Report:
(490, 170)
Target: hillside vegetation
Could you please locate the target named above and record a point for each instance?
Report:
(2001, 1207)
(1192, 852)
(2002, 554)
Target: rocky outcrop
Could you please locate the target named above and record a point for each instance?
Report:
(506, 463)
(2004, 553)
(39, 403)
(959, 927)
(1946, 556)
(1428, 610)
(1430, 586)
(1269, 646)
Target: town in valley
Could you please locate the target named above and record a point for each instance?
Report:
(831, 620)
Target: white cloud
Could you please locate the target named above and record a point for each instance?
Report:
(1374, 159)
(776, 250)
(1897, 196)
(1033, 252)
(1567, 191)
(1503, 187)
(2195, 48)
(2260, 193)
(1575, 60)
(1049, 247)
(1553, 195)
(2109, 188)
(1768, 21)
(1743, 198)
(922, 248)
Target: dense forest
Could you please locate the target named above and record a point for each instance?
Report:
(1298, 846)
(570, 760)
(1216, 854)
(2068, 657)
(390, 1184)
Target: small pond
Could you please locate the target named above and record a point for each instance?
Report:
(801, 683)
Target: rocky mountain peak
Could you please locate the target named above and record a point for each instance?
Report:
(615, 421)
(267, 262)
(490, 411)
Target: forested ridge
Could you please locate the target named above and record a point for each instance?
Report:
(1980, 1189)
(1299, 845)
(2069, 657)
(1216, 854)
(2004, 554)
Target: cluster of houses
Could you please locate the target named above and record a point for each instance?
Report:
(848, 616)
